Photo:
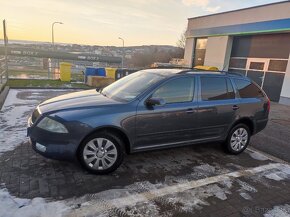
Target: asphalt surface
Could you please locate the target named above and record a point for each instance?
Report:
(198, 180)
(275, 138)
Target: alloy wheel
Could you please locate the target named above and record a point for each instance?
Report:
(239, 139)
(100, 153)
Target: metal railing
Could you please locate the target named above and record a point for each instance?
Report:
(3, 70)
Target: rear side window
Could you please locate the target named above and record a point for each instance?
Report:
(247, 89)
(177, 90)
(213, 88)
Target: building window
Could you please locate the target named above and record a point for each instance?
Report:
(201, 43)
(199, 52)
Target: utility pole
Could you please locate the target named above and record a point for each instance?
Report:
(122, 52)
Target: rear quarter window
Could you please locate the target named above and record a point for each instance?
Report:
(247, 89)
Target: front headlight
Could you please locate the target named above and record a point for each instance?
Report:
(51, 125)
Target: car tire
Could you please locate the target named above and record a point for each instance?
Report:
(238, 139)
(101, 153)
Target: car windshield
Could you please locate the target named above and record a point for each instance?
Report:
(129, 87)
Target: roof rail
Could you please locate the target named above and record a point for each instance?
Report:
(185, 71)
(234, 73)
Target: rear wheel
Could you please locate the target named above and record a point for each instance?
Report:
(238, 139)
(101, 153)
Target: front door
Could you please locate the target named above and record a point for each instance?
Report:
(172, 123)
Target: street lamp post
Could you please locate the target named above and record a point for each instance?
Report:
(52, 37)
(52, 32)
(122, 52)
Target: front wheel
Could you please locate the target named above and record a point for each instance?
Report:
(238, 139)
(101, 153)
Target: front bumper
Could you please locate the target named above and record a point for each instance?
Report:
(52, 145)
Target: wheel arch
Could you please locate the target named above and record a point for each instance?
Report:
(112, 129)
(247, 121)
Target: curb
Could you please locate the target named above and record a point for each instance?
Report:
(3, 95)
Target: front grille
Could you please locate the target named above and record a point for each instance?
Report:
(35, 115)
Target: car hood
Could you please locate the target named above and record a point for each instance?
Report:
(76, 100)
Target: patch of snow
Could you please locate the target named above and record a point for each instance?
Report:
(37, 207)
(17, 107)
(246, 187)
(274, 176)
(13, 117)
(279, 211)
(282, 173)
(246, 196)
(244, 190)
(258, 156)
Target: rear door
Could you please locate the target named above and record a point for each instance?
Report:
(173, 122)
(217, 106)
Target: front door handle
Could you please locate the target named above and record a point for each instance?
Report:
(235, 107)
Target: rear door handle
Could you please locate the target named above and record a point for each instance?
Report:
(235, 107)
(189, 111)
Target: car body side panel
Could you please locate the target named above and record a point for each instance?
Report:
(167, 124)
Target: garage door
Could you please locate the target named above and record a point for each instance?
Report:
(264, 59)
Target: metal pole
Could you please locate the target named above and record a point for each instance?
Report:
(122, 52)
(5, 45)
(52, 38)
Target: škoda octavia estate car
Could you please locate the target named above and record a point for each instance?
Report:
(149, 109)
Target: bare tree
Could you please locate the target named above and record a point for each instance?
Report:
(181, 41)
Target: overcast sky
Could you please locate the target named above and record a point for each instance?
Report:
(101, 22)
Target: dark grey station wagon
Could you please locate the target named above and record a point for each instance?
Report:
(150, 109)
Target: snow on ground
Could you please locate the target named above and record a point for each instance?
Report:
(179, 193)
(279, 211)
(258, 156)
(14, 115)
(37, 207)
(277, 175)
(182, 193)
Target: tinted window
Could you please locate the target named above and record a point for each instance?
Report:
(177, 90)
(231, 92)
(247, 89)
(213, 88)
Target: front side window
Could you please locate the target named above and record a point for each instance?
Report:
(214, 88)
(176, 91)
(247, 89)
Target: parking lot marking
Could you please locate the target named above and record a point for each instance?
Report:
(270, 157)
(133, 199)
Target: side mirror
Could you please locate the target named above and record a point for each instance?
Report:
(155, 101)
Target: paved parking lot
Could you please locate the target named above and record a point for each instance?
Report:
(200, 180)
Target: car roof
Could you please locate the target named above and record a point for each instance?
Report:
(169, 72)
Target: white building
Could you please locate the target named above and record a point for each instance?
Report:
(253, 41)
